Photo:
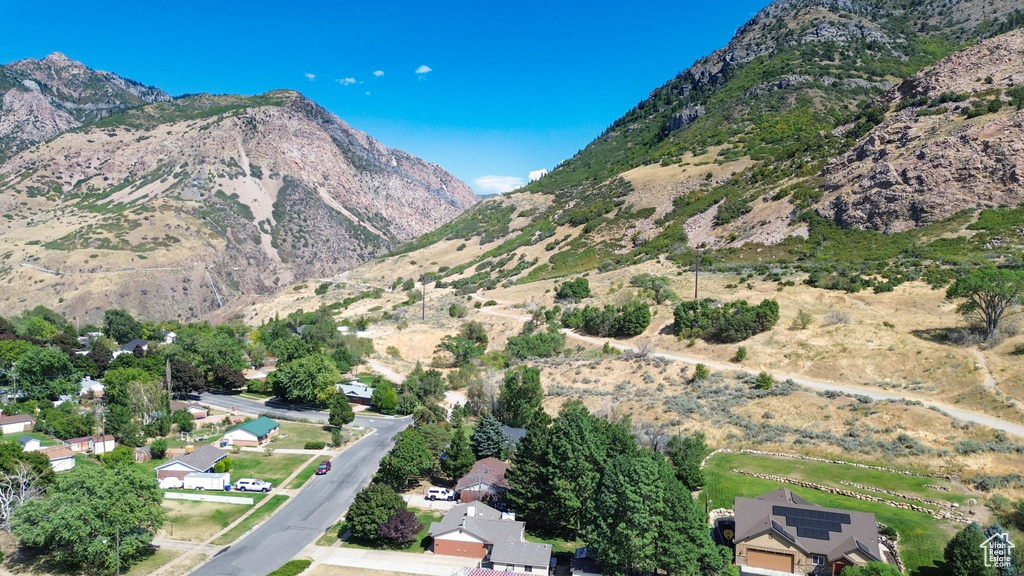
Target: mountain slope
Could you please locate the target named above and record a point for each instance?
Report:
(135, 209)
(42, 98)
(728, 155)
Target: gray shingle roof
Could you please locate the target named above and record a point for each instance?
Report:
(521, 553)
(481, 521)
(202, 458)
(755, 516)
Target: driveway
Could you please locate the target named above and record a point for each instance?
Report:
(317, 507)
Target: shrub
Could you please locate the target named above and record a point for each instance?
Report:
(700, 372)
(802, 321)
(158, 448)
(573, 290)
(1018, 349)
(835, 316)
(629, 320)
(725, 324)
(741, 354)
(764, 381)
(292, 568)
(223, 465)
(458, 310)
(314, 445)
(393, 352)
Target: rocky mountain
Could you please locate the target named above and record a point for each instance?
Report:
(167, 207)
(42, 98)
(818, 119)
(954, 141)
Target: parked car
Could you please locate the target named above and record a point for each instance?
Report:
(440, 494)
(323, 468)
(171, 483)
(252, 485)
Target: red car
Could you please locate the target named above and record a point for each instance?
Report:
(323, 468)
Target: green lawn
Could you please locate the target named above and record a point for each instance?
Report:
(332, 535)
(418, 546)
(256, 496)
(44, 440)
(151, 563)
(258, 515)
(304, 476)
(557, 544)
(197, 521)
(922, 538)
(296, 434)
(273, 469)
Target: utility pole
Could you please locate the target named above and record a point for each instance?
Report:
(423, 293)
(696, 274)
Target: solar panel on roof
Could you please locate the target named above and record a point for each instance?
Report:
(778, 527)
(812, 533)
(790, 512)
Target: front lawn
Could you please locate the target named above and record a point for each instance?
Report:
(304, 476)
(922, 537)
(418, 546)
(197, 521)
(296, 434)
(44, 440)
(250, 522)
(273, 469)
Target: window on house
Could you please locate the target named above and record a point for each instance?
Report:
(817, 559)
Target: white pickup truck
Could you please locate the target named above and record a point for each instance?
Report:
(252, 485)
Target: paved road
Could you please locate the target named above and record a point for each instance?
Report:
(306, 516)
(227, 402)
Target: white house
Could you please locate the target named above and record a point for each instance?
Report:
(252, 433)
(29, 444)
(16, 423)
(103, 444)
(61, 458)
(89, 386)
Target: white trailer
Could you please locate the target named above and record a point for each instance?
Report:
(207, 480)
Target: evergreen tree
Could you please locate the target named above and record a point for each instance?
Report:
(488, 439)
(528, 476)
(686, 455)
(341, 411)
(384, 398)
(410, 458)
(458, 457)
(963, 554)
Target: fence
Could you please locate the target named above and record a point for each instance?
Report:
(208, 498)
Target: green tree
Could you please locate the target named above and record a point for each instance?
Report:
(989, 293)
(310, 379)
(122, 426)
(634, 319)
(12, 456)
(12, 350)
(158, 448)
(963, 554)
(207, 349)
(458, 457)
(120, 456)
(93, 516)
(475, 333)
(520, 396)
(45, 373)
(573, 290)
(384, 397)
(764, 381)
(341, 411)
(410, 458)
(462, 349)
(686, 455)
(488, 439)
(184, 419)
(185, 378)
(371, 508)
(121, 326)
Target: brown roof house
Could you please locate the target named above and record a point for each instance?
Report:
(16, 423)
(484, 481)
(780, 532)
(61, 458)
(201, 459)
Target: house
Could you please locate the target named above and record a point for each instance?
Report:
(61, 459)
(29, 444)
(103, 444)
(471, 530)
(16, 423)
(89, 386)
(200, 459)
(130, 347)
(142, 454)
(83, 444)
(198, 412)
(780, 532)
(252, 433)
(356, 393)
(524, 557)
(170, 337)
(251, 374)
(485, 480)
(62, 399)
(582, 564)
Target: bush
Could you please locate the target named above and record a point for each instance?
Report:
(458, 310)
(223, 465)
(835, 316)
(700, 372)
(725, 324)
(629, 320)
(764, 381)
(314, 445)
(292, 568)
(1018, 349)
(158, 449)
(802, 321)
(336, 438)
(393, 352)
(741, 354)
(573, 290)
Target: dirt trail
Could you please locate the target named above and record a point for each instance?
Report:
(968, 415)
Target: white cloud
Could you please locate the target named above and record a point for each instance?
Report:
(346, 81)
(378, 73)
(537, 174)
(497, 184)
(310, 76)
(367, 93)
(424, 69)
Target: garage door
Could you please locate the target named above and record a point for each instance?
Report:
(770, 560)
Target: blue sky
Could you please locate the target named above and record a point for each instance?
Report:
(489, 90)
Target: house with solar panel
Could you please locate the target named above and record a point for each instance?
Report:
(781, 533)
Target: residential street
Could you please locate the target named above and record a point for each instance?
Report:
(306, 516)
